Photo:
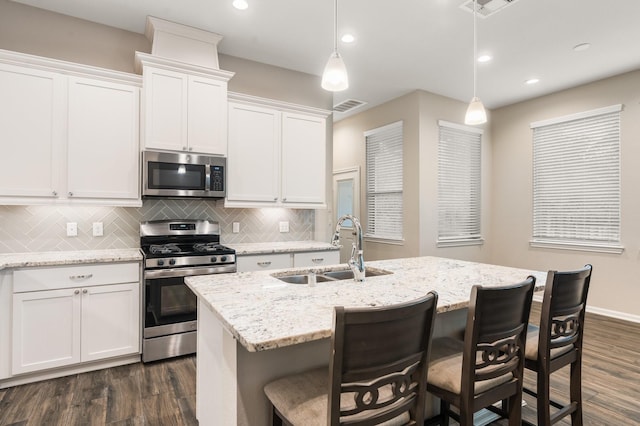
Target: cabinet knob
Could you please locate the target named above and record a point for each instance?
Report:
(76, 292)
(184, 148)
(85, 291)
(275, 199)
(284, 199)
(70, 194)
(55, 193)
(190, 148)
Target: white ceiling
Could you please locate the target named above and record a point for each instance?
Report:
(403, 45)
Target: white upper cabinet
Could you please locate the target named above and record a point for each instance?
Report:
(277, 154)
(32, 116)
(70, 132)
(103, 140)
(185, 106)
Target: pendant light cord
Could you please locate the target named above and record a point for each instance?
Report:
(475, 48)
(335, 26)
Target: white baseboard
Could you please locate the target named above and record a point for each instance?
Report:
(604, 312)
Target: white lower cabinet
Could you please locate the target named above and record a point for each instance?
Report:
(316, 258)
(265, 262)
(84, 320)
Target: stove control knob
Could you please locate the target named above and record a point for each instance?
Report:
(172, 261)
(160, 262)
(214, 259)
(223, 259)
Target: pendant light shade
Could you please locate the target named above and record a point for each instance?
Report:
(334, 77)
(475, 112)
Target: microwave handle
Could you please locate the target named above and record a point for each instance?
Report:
(207, 179)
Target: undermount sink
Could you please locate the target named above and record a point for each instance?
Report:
(337, 275)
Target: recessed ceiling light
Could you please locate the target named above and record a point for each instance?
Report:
(240, 4)
(484, 58)
(348, 38)
(532, 81)
(582, 46)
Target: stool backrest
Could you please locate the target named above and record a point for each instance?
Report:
(495, 336)
(379, 362)
(563, 309)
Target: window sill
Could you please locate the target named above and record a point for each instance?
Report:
(384, 241)
(460, 242)
(578, 246)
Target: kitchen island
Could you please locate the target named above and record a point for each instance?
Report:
(253, 327)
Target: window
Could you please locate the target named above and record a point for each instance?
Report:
(576, 181)
(384, 182)
(459, 161)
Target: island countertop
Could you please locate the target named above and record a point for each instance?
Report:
(263, 312)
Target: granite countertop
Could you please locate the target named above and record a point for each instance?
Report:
(263, 313)
(281, 247)
(55, 258)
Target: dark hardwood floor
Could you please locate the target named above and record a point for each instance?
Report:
(163, 393)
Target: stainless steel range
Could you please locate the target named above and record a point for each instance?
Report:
(174, 249)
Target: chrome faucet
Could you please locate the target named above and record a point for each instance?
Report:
(356, 265)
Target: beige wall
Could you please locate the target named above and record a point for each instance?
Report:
(615, 285)
(420, 112)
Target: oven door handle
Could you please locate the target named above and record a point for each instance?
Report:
(187, 272)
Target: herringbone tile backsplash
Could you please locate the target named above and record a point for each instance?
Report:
(43, 228)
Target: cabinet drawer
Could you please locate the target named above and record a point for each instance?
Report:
(263, 262)
(316, 258)
(58, 277)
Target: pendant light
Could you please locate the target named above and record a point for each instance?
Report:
(475, 112)
(335, 76)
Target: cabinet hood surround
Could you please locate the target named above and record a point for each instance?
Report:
(182, 43)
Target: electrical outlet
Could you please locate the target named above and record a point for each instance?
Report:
(284, 226)
(236, 227)
(72, 229)
(98, 229)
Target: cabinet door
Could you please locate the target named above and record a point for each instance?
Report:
(253, 161)
(46, 329)
(207, 116)
(102, 140)
(32, 108)
(303, 159)
(165, 109)
(110, 321)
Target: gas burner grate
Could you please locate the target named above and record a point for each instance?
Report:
(164, 248)
(207, 247)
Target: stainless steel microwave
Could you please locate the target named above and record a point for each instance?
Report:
(177, 175)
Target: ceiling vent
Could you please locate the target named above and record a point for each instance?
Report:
(487, 8)
(348, 105)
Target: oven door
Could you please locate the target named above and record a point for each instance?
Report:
(169, 306)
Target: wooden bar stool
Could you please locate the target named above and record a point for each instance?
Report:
(488, 366)
(558, 343)
(377, 372)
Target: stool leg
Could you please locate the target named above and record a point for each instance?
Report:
(543, 399)
(576, 391)
(444, 412)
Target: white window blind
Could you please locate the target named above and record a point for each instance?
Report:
(576, 180)
(459, 165)
(384, 182)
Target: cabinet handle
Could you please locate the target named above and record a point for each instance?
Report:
(267, 263)
(275, 199)
(318, 260)
(76, 292)
(85, 291)
(80, 277)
